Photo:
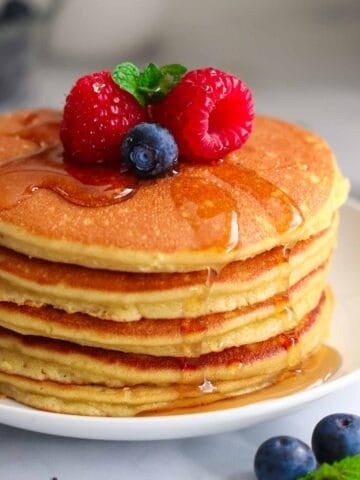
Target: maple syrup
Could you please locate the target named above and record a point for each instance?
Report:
(45, 167)
(315, 370)
(97, 186)
(196, 325)
(293, 346)
(212, 199)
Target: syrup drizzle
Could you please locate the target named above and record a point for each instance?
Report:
(189, 326)
(211, 200)
(45, 167)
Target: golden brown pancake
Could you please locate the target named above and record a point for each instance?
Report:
(66, 378)
(122, 296)
(282, 186)
(174, 337)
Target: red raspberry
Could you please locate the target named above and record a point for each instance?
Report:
(97, 115)
(209, 112)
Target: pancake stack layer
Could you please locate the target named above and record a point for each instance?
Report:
(197, 287)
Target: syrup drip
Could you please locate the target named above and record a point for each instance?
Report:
(285, 215)
(191, 349)
(210, 210)
(291, 317)
(196, 325)
(210, 206)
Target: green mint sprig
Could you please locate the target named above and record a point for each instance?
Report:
(346, 469)
(150, 85)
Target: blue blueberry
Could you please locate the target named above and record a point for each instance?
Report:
(335, 437)
(14, 10)
(283, 458)
(149, 150)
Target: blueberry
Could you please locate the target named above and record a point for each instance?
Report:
(283, 458)
(14, 10)
(149, 150)
(336, 436)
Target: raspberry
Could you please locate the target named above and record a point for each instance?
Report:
(97, 115)
(209, 112)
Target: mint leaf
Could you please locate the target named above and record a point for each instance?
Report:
(149, 83)
(325, 472)
(157, 82)
(127, 75)
(149, 80)
(152, 84)
(171, 76)
(346, 469)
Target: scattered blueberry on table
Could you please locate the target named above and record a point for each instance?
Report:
(335, 453)
(336, 436)
(283, 458)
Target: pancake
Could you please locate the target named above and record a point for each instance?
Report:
(123, 296)
(281, 187)
(188, 289)
(174, 337)
(67, 378)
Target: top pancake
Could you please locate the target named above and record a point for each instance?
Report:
(282, 186)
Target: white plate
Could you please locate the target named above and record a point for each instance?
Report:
(345, 338)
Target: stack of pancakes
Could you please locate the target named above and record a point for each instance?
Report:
(200, 286)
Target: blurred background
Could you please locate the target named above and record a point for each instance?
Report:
(300, 57)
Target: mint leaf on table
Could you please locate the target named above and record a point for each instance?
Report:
(346, 469)
(151, 85)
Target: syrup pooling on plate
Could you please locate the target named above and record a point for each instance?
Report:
(316, 370)
(45, 167)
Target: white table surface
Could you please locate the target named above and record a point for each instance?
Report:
(29, 456)
(334, 113)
